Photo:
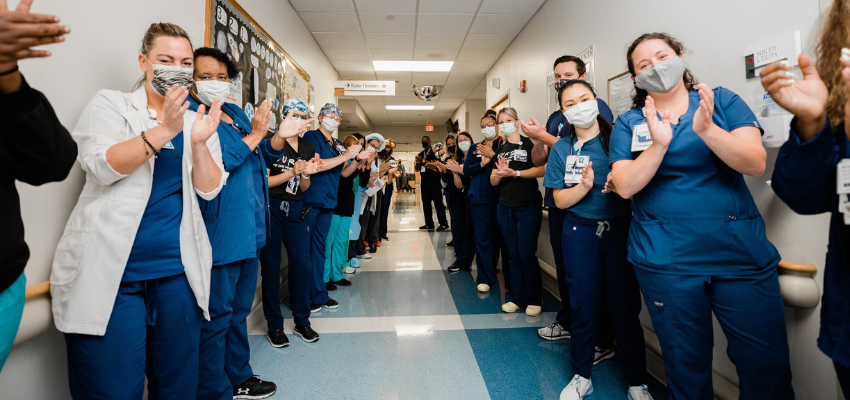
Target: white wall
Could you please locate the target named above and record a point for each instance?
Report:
(101, 53)
(715, 32)
(468, 116)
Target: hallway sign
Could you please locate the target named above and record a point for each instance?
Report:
(364, 88)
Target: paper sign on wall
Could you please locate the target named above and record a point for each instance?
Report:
(782, 47)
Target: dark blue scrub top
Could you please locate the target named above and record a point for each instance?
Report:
(156, 249)
(480, 190)
(323, 189)
(595, 204)
(696, 216)
(804, 178)
(238, 218)
(555, 126)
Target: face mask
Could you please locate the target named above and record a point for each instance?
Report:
(426, 145)
(464, 146)
(583, 115)
(489, 132)
(507, 128)
(661, 77)
(452, 149)
(210, 90)
(560, 83)
(329, 124)
(166, 76)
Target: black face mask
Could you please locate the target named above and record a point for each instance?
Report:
(426, 145)
(452, 149)
(382, 153)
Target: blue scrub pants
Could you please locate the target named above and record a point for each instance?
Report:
(224, 338)
(319, 223)
(153, 331)
(843, 378)
(520, 228)
(288, 228)
(11, 310)
(597, 268)
(750, 311)
(488, 243)
(462, 235)
(336, 248)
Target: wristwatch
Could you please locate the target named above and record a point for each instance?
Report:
(305, 177)
(517, 174)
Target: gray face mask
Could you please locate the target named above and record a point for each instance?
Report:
(661, 77)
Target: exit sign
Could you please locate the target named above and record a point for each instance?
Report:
(429, 128)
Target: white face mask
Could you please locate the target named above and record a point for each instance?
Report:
(489, 132)
(464, 146)
(210, 90)
(507, 128)
(329, 124)
(583, 115)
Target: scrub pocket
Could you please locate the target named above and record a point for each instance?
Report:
(650, 243)
(749, 244)
(74, 243)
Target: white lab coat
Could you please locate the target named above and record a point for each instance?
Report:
(93, 251)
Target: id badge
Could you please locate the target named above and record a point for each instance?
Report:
(520, 155)
(340, 149)
(422, 170)
(641, 138)
(574, 168)
(844, 207)
(168, 146)
(843, 177)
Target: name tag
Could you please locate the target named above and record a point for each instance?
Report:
(422, 170)
(520, 155)
(843, 188)
(574, 168)
(168, 146)
(641, 138)
(340, 149)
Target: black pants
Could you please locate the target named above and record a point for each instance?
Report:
(385, 209)
(464, 239)
(433, 192)
(843, 378)
(605, 329)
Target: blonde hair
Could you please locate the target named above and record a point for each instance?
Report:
(510, 111)
(350, 140)
(154, 31)
(834, 36)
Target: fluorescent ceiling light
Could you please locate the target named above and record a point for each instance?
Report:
(410, 107)
(415, 66)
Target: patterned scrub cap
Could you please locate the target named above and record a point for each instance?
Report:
(297, 104)
(331, 108)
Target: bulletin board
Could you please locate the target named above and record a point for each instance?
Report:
(620, 89)
(266, 71)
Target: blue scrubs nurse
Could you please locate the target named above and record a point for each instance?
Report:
(697, 240)
(807, 177)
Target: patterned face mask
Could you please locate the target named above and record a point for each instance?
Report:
(166, 76)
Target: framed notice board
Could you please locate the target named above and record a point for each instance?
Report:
(266, 71)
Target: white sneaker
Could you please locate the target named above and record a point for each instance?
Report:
(483, 288)
(533, 311)
(553, 332)
(349, 270)
(510, 307)
(603, 354)
(364, 256)
(639, 393)
(577, 389)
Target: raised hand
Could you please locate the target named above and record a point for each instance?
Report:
(805, 99)
(533, 129)
(205, 126)
(703, 118)
(485, 150)
(587, 176)
(173, 109)
(299, 167)
(313, 166)
(661, 131)
(609, 184)
(20, 31)
(290, 127)
(260, 122)
(384, 167)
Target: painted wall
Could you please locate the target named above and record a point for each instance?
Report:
(101, 53)
(468, 116)
(716, 33)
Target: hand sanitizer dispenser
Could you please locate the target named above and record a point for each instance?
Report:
(775, 121)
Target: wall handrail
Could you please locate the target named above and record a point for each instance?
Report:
(37, 290)
(805, 268)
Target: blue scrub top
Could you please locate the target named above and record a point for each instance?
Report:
(323, 189)
(156, 249)
(238, 218)
(595, 204)
(696, 216)
(555, 126)
(804, 178)
(480, 190)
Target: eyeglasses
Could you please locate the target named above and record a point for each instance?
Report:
(332, 116)
(488, 125)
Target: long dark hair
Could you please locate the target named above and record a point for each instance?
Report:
(604, 126)
(458, 154)
(639, 99)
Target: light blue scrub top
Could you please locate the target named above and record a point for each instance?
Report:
(696, 216)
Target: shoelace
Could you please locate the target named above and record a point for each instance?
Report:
(643, 395)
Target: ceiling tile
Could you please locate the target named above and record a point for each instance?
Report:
(376, 100)
(391, 54)
(358, 75)
(353, 66)
(471, 66)
(485, 41)
(423, 54)
(527, 7)
(458, 88)
(479, 55)
(462, 81)
(389, 40)
(439, 40)
(322, 5)
(387, 23)
(394, 76)
(448, 6)
(499, 23)
(347, 54)
(444, 23)
(477, 96)
(453, 96)
(330, 21)
(429, 78)
(391, 6)
(331, 40)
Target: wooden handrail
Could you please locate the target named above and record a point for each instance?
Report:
(37, 290)
(798, 267)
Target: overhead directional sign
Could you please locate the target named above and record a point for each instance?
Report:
(365, 88)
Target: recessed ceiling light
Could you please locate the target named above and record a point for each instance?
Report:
(413, 66)
(410, 107)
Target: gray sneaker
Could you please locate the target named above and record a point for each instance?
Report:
(639, 393)
(553, 332)
(603, 354)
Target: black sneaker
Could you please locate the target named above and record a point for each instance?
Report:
(306, 333)
(314, 308)
(331, 304)
(456, 268)
(385, 238)
(426, 227)
(451, 243)
(329, 286)
(373, 248)
(254, 388)
(277, 338)
(342, 282)
(442, 228)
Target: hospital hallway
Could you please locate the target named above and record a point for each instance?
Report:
(408, 329)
